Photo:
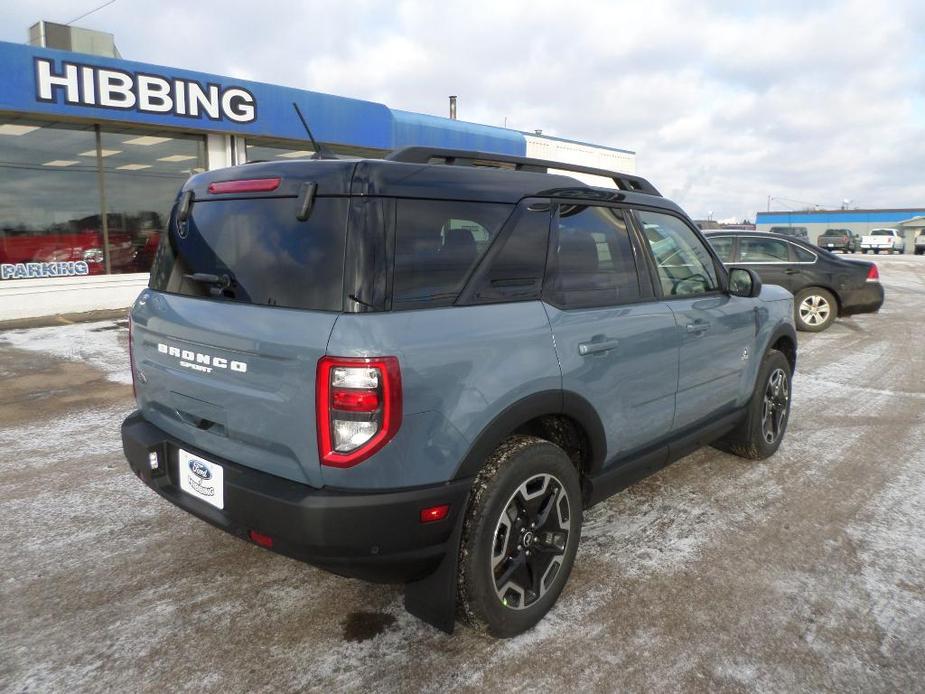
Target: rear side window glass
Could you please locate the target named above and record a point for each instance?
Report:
(593, 263)
(437, 243)
(685, 266)
(723, 245)
(802, 255)
(256, 251)
(761, 250)
(516, 271)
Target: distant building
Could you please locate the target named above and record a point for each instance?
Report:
(908, 221)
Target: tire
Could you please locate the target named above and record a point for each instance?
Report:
(877, 251)
(814, 309)
(760, 434)
(504, 587)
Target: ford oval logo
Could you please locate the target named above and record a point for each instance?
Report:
(198, 468)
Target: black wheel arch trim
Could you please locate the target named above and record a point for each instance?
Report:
(788, 331)
(548, 402)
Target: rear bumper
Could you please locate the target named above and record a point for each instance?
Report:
(866, 299)
(376, 536)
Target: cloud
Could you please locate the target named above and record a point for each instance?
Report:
(724, 104)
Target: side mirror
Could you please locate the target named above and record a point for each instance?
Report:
(744, 282)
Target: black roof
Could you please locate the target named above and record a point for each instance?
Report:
(513, 179)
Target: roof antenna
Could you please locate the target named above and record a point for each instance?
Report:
(321, 152)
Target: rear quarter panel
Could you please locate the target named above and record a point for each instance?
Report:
(460, 367)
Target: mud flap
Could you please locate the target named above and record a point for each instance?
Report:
(432, 599)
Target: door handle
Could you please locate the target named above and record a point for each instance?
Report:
(586, 348)
(697, 327)
(790, 271)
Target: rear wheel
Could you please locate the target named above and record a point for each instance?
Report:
(761, 432)
(520, 536)
(815, 309)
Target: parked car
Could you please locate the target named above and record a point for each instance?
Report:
(843, 240)
(422, 370)
(920, 243)
(889, 240)
(824, 285)
(796, 232)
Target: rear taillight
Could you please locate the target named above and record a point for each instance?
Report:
(245, 185)
(873, 275)
(358, 406)
(131, 355)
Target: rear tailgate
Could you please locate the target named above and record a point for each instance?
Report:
(236, 381)
(244, 295)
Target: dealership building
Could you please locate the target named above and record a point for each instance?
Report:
(93, 149)
(907, 221)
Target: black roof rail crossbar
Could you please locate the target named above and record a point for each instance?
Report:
(426, 155)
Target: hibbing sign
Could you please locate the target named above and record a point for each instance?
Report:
(92, 86)
(53, 84)
(48, 82)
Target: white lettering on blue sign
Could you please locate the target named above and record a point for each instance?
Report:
(26, 271)
(93, 86)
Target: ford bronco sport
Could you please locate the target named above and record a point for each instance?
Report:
(422, 369)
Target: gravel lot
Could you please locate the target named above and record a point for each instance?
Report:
(803, 572)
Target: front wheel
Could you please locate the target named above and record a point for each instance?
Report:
(815, 309)
(520, 536)
(767, 413)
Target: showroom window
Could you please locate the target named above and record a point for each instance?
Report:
(55, 180)
(267, 149)
(49, 197)
(141, 176)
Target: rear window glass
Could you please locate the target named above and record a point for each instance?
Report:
(256, 251)
(882, 232)
(437, 243)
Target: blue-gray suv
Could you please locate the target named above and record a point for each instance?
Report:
(422, 369)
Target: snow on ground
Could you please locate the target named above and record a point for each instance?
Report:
(802, 572)
(101, 344)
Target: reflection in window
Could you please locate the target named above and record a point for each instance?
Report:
(437, 243)
(594, 264)
(266, 149)
(685, 267)
(760, 250)
(50, 193)
(142, 175)
(723, 247)
(49, 197)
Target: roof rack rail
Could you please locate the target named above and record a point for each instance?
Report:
(461, 157)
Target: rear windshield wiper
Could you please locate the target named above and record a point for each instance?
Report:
(223, 281)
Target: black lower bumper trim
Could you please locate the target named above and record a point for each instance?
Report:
(376, 536)
(867, 299)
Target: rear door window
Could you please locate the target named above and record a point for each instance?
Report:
(724, 246)
(593, 263)
(801, 255)
(762, 250)
(256, 251)
(437, 243)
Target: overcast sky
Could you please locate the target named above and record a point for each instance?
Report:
(809, 102)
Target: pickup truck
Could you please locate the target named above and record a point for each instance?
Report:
(889, 240)
(920, 243)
